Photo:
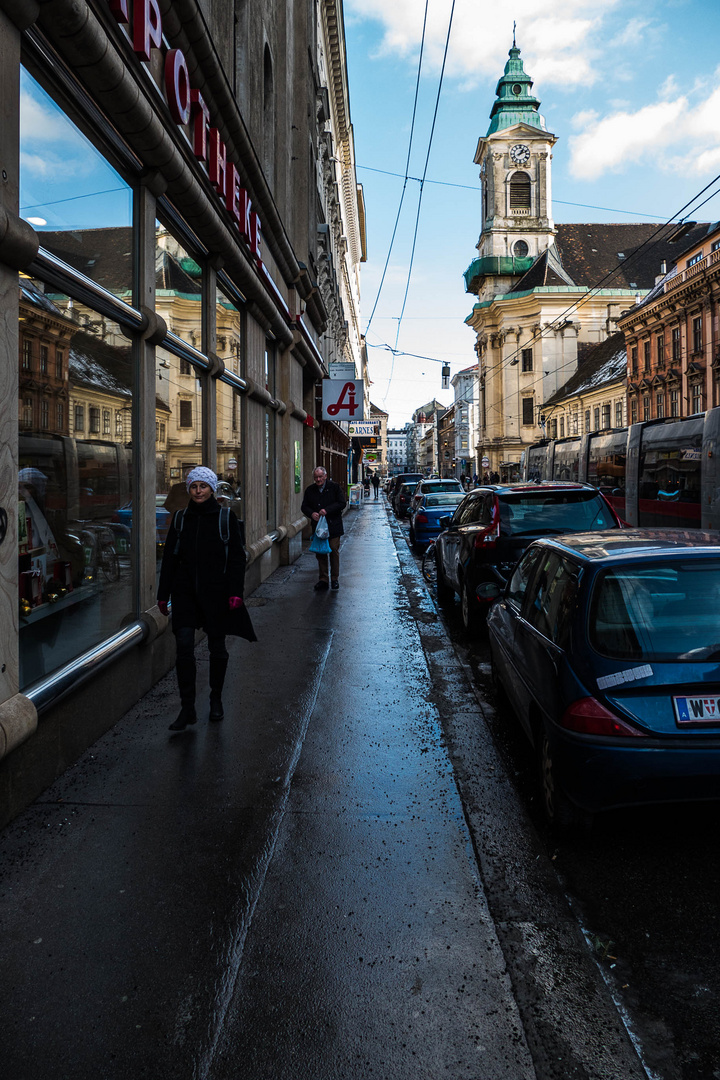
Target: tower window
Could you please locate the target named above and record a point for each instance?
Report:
(519, 191)
(520, 249)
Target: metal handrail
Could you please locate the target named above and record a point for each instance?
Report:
(51, 690)
(56, 272)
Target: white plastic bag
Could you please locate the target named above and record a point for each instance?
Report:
(321, 529)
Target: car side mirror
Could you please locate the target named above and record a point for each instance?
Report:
(445, 522)
(488, 591)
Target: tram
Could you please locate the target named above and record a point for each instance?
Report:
(657, 473)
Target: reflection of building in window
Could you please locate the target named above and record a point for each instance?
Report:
(185, 414)
(79, 417)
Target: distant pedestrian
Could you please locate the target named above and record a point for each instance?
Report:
(325, 498)
(494, 477)
(376, 484)
(203, 573)
(486, 478)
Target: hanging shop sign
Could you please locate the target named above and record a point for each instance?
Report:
(342, 399)
(367, 427)
(189, 111)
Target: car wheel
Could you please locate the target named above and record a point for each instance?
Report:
(445, 595)
(469, 609)
(561, 814)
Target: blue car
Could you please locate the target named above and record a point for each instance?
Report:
(607, 646)
(425, 517)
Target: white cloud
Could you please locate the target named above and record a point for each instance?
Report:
(675, 134)
(560, 39)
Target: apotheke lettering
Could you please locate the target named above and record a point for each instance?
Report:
(188, 107)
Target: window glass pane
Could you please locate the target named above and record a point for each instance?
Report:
(669, 475)
(71, 195)
(74, 483)
(178, 281)
(228, 401)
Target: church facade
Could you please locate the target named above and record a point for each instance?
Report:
(546, 293)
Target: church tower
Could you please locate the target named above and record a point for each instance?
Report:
(514, 159)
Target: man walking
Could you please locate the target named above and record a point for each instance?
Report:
(325, 498)
(376, 483)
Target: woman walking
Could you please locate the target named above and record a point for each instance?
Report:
(203, 573)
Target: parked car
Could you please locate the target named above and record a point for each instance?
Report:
(433, 486)
(494, 524)
(425, 517)
(608, 648)
(399, 479)
(402, 499)
(123, 515)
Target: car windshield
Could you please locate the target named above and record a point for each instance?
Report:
(542, 513)
(451, 498)
(668, 611)
(442, 485)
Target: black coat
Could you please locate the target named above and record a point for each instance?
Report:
(197, 579)
(331, 499)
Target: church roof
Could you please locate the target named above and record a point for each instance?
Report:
(600, 364)
(609, 256)
(514, 103)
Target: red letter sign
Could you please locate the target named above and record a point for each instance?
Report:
(147, 27)
(177, 86)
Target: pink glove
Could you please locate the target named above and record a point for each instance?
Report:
(234, 602)
(162, 604)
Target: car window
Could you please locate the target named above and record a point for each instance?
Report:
(552, 598)
(449, 498)
(543, 512)
(470, 511)
(666, 611)
(440, 485)
(522, 576)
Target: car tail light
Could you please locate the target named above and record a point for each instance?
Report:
(422, 518)
(588, 717)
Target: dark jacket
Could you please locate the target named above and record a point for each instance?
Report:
(197, 579)
(331, 499)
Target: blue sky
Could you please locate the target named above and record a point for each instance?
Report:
(632, 91)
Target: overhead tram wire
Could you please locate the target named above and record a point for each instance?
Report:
(422, 182)
(407, 169)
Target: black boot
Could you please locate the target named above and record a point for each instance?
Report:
(218, 667)
(185, 671)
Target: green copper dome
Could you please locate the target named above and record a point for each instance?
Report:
(515, 104)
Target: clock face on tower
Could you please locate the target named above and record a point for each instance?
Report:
(520, 154)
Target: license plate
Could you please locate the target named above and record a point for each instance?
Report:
(697, 710)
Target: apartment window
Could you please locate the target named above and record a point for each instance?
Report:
(27, 355)
(646, 356)
(59, 358)
(695, 259)
(528, 411)
(596, 418)
(634, 360)
(79, 417)
(697, 334)
(676, 343)
(527, 360)
(674, 402)
(660, 406)
(60, 416)
(94, 420)
(27, 413)
(562, 427)
(553, 429)
(119, 427)
(44, 359)
(106, 421)
(606, 416)
(186, 367)
(44, 414)
(696, 397)
(576, 423)
(186, 414)
(660, 347)
(618, 414)
(633, 411)
(587, 420)
(646, 408)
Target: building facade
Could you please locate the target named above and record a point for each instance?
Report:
(397, 455)
(180, 246)
(545, 292)
(673, 335)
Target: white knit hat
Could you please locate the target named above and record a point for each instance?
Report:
(205, 476)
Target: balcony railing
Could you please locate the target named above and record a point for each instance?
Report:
(693, 271)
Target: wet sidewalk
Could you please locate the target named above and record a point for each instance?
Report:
(290, 894)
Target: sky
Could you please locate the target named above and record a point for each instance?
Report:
(631, 89)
